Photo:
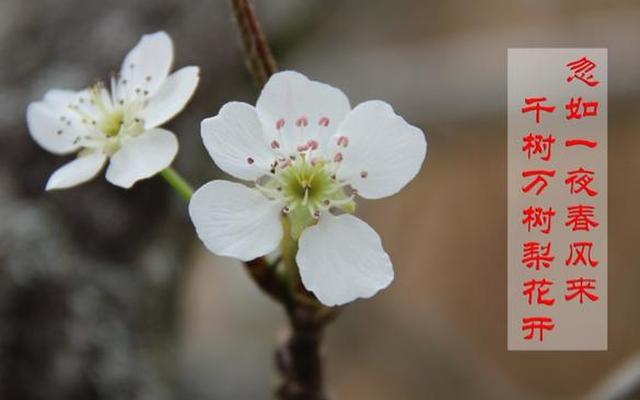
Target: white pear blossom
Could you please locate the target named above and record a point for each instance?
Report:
(119, 123)
(307, 155)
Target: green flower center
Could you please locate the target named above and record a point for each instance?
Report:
(308, 186)
(112, 123)
(107, 120)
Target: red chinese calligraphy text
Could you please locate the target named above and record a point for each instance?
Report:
(535, 104)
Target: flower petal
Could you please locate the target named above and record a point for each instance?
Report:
(142, 157)
(78, 171)
(171, 98)
(147, 65)
(294, 110)
(60, 99)
(383, 153)
(236, 143)
(235, 221)
(341, 259)
(52, 124)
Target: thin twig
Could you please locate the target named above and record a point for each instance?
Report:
(257, 50)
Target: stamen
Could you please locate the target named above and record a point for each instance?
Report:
(250, 160)
(343, 141)
(343, 201)
(337, 157)
(275, 193)
(338, 188)
(280, 181)
(114, 89)
(292, 205)
(364, 174)
(302, 121)
(279, 124)
(275, 145)
(324, 121)
(312, 144)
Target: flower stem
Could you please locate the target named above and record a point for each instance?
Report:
(177, 182)
(289, 249)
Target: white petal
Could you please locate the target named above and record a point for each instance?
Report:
(171, 98)
(61, 98)
(142, 157)
(341, 259)
(384, 152)
(80, 170)
(235, 221)
(147, 65)
(294, 110)
(52, 124)
(236, 143)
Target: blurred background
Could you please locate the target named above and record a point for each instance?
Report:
(107, 294)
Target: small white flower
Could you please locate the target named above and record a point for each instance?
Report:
(119, 123)
(308, 154)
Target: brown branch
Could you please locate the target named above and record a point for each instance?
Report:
(264, 276)
(299, 361)
(298, 357)
(259, 57)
